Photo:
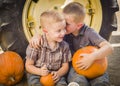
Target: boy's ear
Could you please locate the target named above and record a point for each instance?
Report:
(45, 31)
(79, 25)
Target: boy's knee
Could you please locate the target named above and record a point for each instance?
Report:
(101, 81)
(33, 80)
(61, 82)
(35, 85)
(100, 84)
(61, 85)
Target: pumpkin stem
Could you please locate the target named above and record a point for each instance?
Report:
(12, 79)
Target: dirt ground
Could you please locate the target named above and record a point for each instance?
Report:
(114, 58)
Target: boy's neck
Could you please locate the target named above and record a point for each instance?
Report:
(51, 43)
(76, 33)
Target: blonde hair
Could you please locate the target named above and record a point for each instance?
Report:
(49, 17)
(75, 9)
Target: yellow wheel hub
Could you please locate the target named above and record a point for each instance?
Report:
(32, 11)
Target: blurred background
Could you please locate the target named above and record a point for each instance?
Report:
(114, 58)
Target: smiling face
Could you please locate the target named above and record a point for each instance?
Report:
(56, 31)
(53, 25)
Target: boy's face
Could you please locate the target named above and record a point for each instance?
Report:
(71, 25)
(56, 31)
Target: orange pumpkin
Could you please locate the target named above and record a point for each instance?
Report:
(47, 80)
(96, 69)
(11, 68)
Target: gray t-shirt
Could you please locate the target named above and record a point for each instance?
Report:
(87, 36)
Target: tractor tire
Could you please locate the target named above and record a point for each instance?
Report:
(109, 20)
(12, 37)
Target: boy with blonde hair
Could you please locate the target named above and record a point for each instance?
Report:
(80, 35)
(54, 54)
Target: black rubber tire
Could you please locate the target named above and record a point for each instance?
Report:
(109, 21)
(11, 35)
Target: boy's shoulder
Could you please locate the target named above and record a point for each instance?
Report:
(87, 30)
(64, 44)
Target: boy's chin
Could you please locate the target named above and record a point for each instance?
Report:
(67, 33)
(60, 40)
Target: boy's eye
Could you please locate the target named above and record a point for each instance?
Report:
(59, 30)
(67, 24)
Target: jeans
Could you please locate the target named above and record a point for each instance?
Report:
(102, 80)
(33, 80)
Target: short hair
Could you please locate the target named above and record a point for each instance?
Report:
(76, 9)
(49, 17)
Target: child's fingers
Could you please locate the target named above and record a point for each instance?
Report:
(33, 43)
(41, 41)
(82, 55)
(44, 67)
(81, 66)
(55, 76)
(56, 80)
(45, 72)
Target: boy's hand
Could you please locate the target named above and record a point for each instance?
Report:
(44, 71)
(85, 62)
(36, 41)
(56, 76)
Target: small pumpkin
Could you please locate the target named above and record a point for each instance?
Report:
(11, 68)
(47, 80)
(96, 69)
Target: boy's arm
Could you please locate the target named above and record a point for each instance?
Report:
(104, 50)
(35, 41)
(31, 68)
(105, 47)
(63, 70)
(34, 70)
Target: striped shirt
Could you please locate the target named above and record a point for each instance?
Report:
(52, 58)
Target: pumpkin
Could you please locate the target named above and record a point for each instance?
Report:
(96, 69)
(11, 68)
(47, 80)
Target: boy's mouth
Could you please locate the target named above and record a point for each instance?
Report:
(61, 37)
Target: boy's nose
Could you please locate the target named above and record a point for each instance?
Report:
(63, 32)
